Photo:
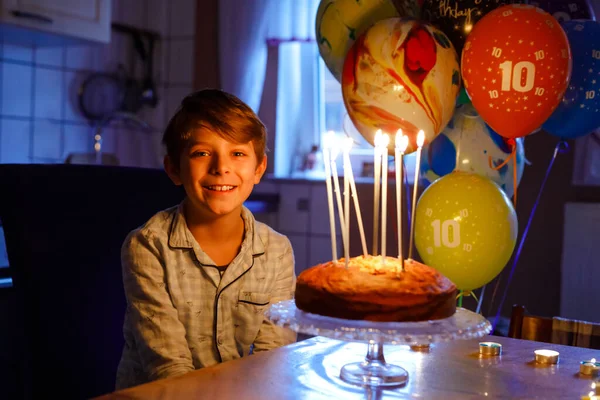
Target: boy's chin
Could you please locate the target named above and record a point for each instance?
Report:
(221, 211)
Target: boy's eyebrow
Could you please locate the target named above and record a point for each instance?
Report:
(195, 142)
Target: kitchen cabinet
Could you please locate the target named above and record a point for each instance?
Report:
(51, 22)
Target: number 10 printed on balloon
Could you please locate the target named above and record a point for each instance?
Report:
(516, 66)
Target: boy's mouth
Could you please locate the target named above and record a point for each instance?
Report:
(220, 188)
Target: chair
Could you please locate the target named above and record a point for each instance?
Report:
(553, 330)
(64, 226)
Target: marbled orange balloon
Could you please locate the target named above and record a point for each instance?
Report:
(401, 74)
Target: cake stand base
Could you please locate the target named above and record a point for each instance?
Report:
(374, 371)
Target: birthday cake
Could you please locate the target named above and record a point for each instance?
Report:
(370, 289)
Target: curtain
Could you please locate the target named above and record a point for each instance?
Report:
(242, 48)
(269, 59)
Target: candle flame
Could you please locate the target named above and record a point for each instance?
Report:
(403, 144)
(347, 146)
(420, 138)
(385, 140)
(398, 139)
(329, 140)
(377, 140)
(334, 152)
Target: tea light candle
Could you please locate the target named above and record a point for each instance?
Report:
(420, 347)
(490, 348)
(546, 356)
(590, 367)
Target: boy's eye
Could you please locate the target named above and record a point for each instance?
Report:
(238, 153)
(199, 153)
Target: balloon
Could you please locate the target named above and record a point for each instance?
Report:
(401, 74)
(468, 141)
(577, 115)
(340, 22)
(564, 10)
(457, 18)
(466, 228)
(516, 66)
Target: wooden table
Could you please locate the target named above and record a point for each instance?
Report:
(310, 370)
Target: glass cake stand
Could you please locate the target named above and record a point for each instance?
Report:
(374, 370)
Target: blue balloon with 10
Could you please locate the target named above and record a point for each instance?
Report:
(579, 112)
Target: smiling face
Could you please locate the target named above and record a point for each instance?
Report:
(218, 175)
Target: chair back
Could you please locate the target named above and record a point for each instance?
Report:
(64, 226)
(555, 330)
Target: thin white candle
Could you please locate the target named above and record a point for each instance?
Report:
(327, 143)
(376, 186)
(336, 186)
(401, 144)
(346, 158)
(420, 142)
(384, 184)
(361, 228)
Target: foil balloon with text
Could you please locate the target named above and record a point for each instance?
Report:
(566, 10)
(456, 18)
(516, 66)
(579, 111)
(469, 144)
(401, 74)
(340, 22)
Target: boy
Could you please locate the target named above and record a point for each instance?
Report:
(199, 276)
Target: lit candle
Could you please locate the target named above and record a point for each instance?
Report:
(420, 142)
(338, 195)
(401, 144)
(590, 367)
(376, 172)
(346, 164)
(384, 183)
(361, 228)
(327, 143)
(546, 356)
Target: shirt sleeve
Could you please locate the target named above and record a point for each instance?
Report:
(271, 336)
(159, 335)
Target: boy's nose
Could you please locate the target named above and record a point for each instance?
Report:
(220, 165)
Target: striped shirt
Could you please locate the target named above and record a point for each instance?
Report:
(182, 314)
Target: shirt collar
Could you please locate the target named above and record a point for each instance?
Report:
(181, 237)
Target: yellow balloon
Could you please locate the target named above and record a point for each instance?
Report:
(466, 228)
(340, 22)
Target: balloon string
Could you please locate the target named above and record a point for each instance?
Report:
(515, 177)
(480, 302)
(561, 147)
(466, 293)
(460, 298)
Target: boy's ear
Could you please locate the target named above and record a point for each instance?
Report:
(172, 170)
(260, 170)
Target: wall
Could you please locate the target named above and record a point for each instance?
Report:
(40, 121)
(39, 117)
